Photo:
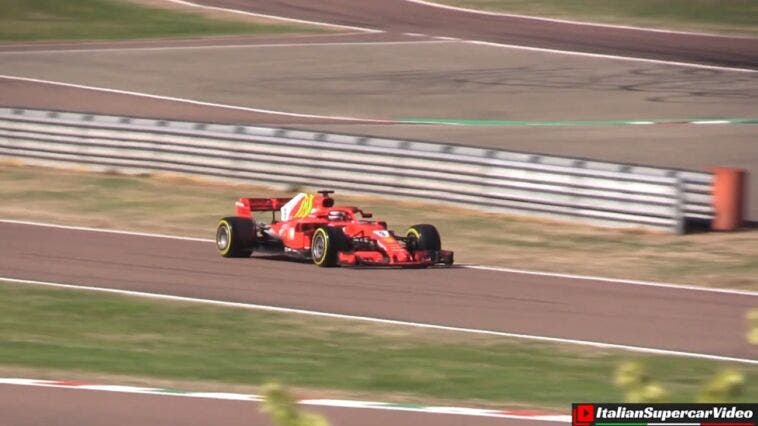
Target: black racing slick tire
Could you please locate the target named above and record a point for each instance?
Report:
(235, 237)
(326, 244)
(423, 237)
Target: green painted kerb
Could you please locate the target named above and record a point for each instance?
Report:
(556, 123)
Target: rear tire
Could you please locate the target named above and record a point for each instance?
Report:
(235, 237)
(326, 244)
(423, 237)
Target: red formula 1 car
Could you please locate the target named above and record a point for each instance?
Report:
(310, 226)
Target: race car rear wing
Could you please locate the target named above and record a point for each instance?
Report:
(245, 206)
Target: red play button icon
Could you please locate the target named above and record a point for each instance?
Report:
(584, 413)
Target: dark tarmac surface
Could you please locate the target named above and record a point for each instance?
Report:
(653, 317)
(398, 16)
(20, 406)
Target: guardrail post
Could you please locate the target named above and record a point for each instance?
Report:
(680, 215)
(728, 198)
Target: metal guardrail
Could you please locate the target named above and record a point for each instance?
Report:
(600, 193)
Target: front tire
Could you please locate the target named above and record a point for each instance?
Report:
(423, 237)
(235, 237)
(326, 244)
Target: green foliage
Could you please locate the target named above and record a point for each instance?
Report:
(752, 336)
(724, 386)
(632, 378)
(651, 392)
(282, 408)
(630, 375)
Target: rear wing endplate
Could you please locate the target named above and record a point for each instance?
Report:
(245, 206)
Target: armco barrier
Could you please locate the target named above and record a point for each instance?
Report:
(600, 193)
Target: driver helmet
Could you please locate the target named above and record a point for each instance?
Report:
(336, 215)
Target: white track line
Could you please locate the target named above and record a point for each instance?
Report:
(616, 280)
(227, 46)
(282, 18)
(614, 57)
(539, 49)
(190, 101)
(521, 47)
(279, 309)
(106, 231)
(479, 267)
(566, 21)
(14, 381)
(94, 43)
(336, 403)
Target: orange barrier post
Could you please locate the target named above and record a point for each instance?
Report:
(728, 198)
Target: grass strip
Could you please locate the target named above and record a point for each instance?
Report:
(112, 334)
(181, 206)
(739, 16)
(23, 20)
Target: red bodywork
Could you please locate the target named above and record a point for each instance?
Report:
(371, 243)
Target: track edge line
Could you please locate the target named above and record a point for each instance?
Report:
(688, 287)
(279, 309)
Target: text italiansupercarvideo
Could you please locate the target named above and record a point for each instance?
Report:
(714, 413)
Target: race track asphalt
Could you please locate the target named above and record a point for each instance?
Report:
(398, 16)
(21, 406)
(654, 317)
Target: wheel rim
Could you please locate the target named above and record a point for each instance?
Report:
(317, 247)
(222, 237)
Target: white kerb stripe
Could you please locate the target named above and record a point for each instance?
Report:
(429, 409)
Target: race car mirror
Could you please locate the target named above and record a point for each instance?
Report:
(363, 214)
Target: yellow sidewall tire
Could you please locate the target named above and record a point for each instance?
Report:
(228, 227)
(321, 232)
(239, 234)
